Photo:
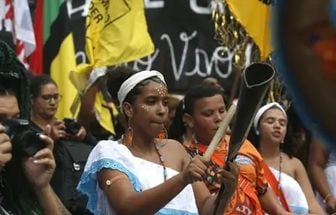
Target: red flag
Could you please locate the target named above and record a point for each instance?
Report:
(36, 58)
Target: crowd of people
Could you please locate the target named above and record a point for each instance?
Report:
(154, 164)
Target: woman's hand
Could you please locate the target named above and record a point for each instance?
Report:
(195, 171)
(5, 147)
(57, 130)
(331, 205)
(79, 136)
(39, 169)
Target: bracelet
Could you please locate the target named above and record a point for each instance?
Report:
(327, 197)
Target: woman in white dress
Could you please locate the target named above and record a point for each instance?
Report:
(323, 171)
(143, 174)
(292, 181)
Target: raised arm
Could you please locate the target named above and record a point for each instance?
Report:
(86, 115)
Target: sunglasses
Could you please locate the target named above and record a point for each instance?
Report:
(48, 98)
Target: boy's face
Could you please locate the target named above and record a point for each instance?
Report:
(208, 114)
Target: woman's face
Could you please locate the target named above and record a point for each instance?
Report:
(46, 103)
(273, 125)
(208, 113)
(150, 109)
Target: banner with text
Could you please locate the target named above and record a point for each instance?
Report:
(186, 51)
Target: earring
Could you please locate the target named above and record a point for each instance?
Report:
(257, 132)
(194, 138)
(163, 134)
(128, 140)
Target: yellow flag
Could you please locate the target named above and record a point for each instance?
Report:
(63, 25)
(116, 33)
(255, 17)
(61, 66)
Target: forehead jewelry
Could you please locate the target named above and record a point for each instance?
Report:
(162, 91)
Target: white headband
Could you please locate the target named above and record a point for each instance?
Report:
(262, 110)
(135, 79)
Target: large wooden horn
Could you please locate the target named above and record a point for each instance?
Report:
(255, 81)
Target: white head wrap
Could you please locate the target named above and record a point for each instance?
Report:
(135, 79)
(262, 110)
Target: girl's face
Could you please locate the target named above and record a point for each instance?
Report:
(273, 125)
(150, 109)
(208, 113)
(46, 103)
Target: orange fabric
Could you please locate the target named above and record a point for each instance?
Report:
(252, 181)
(274, 183)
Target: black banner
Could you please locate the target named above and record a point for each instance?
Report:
(186, 51)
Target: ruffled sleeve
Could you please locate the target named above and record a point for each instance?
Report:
(102, 157)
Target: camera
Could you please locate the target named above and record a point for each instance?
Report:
(24, 140)
(71, 126)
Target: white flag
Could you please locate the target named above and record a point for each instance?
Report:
(23, 26)
(15, 18)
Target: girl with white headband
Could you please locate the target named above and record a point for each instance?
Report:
(141, 173)
(285, 173)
